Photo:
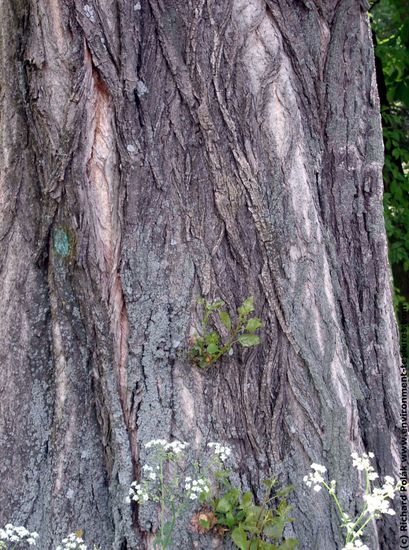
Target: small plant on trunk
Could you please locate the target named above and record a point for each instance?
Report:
(208, 347)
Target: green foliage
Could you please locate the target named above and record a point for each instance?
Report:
(209, 346)
(396, 196)
(390, 24)
(252, 526)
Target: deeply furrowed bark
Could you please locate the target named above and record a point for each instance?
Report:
(153, 152)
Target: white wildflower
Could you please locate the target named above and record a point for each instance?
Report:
(176, 446)
(150, 472)
(221, 451)
(173, 446)
(72, 542)
(196, 487)
(137, 493)
(377, 502)
(155, 443)
(315, 479)
(17, 534)
(362, 463)
(318, 468)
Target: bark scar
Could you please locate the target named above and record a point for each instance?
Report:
(105, 211)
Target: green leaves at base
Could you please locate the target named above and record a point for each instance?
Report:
(255, 526)
(239, 538)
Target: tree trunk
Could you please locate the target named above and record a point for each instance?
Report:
(154, 152)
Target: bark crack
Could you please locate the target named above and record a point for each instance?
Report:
(106, 220)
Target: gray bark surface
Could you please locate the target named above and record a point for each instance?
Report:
(153, 152)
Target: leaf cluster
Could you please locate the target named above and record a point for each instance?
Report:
(390, 26)
(252, 526)
(209, 346)
(390, 22)
(396, 196)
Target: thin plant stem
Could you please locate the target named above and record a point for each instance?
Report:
(335, 498)
(162, 499)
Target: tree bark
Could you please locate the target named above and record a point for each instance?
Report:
(154, 152)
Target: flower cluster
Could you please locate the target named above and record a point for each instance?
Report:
(377, 502)
(357, 544)
(150, 472)
(16, 534)
(72, 542)
(155, 443)
(162, 482)
(221, 451)
(195, 487)
(173, 446)
(362, 463)
(137, 493)
(315, 477)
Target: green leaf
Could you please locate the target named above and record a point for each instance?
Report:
(221, 474)
(249, 340)
(253, 324)
(239, 538)
(225, 319)
(269, 483)
(212, 349)
(254, 545)
(213, 338)
(204, 523)
(247, 307)
(217, 304)
(230, 520)
(233, 495)
(289, 544)
(247, 500)
(275, 529)
(285, 491)
(224, 505)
